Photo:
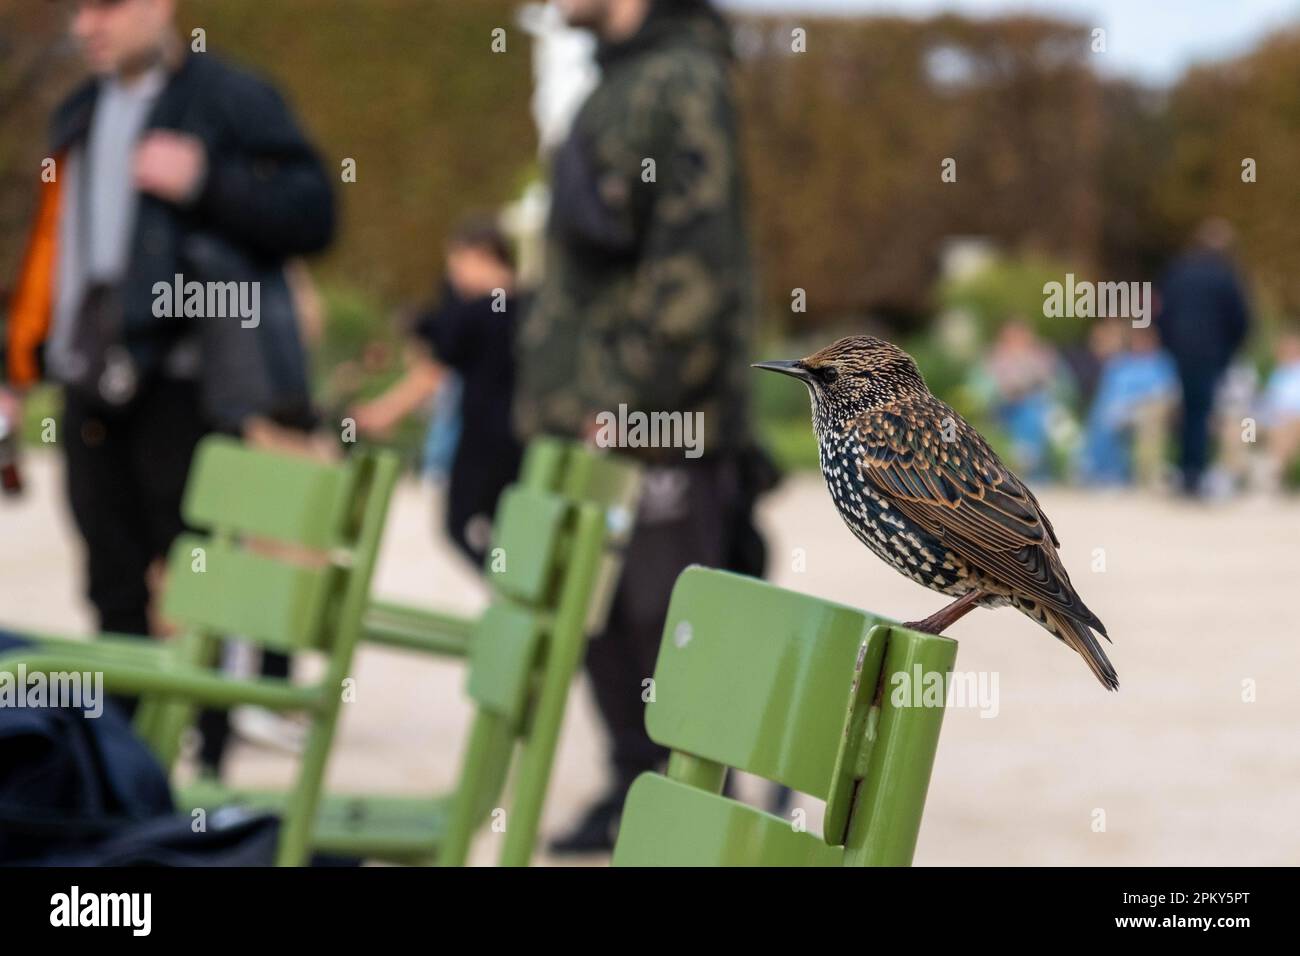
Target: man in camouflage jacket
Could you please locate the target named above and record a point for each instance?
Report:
(646, 306)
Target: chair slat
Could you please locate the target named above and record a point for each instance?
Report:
(289, 499)
(603, 479)
(502, 655)
(544, 463)
(232, 592)
(668, 823)
(756, 677)
(523, 562)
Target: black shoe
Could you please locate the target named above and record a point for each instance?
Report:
(779, 800)
(596, 832)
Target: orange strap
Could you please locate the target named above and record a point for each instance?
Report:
(33, 302)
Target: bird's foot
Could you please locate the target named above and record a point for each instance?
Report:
(946, 617)
(927, 625)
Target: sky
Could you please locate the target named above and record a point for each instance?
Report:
(1152, 40)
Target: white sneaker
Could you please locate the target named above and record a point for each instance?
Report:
(266, 728)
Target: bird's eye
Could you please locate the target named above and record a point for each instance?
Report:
(828, 375)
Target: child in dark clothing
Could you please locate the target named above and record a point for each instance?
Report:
(470, 331)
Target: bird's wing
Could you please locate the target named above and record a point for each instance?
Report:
(960, 491)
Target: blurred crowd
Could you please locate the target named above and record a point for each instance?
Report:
(1170, 404)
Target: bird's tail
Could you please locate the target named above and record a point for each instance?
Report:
(1080, 637)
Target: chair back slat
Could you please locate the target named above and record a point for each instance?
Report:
(675, 824)
(224, 590)
(756, 677)
(603, 479)
(575, 471)
(502, 656)
(544, 462)
(246, 491)
(523, 562)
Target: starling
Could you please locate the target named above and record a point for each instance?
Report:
(923, 490)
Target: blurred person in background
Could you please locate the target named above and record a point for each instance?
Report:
(1203, 320)
(1235, 400)
(1129, 416)
(167, 164)
(1022, 371)
(1280, 414)
(471, 332)
(1085, 360)
(646, 303)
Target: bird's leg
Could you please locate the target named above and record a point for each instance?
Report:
(948, 616)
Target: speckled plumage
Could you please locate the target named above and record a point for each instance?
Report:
(922, 489)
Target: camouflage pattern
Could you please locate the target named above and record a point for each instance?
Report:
(647, 297)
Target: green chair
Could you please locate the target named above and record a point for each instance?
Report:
(285, 562)
(810, 694)
(553, 560)
(553, 465)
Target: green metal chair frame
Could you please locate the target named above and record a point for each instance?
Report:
(560, 530)
(565, 468)
(228, 582)
(798, 690)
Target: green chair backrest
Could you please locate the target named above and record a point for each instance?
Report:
(582, 473)
(523, 561)
(554, 543)
(286, 562)
(524, 567)
(612, 482)
(278, 545)
(241, 490)
(794, 689)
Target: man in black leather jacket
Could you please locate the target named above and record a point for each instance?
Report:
(160, 153)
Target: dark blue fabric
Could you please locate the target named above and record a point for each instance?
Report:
(66, 779)
(83, 791)
(1203, 320)
(1203, 313)
(231, 837)
(1199, 383)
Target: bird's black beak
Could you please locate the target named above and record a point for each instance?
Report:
(795, 369)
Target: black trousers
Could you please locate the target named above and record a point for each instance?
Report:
(1199, 382)
(480, 472)
(126, 474)
(695, 513)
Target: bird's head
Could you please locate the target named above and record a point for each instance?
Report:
(854, 374)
